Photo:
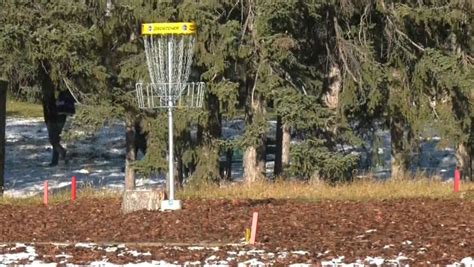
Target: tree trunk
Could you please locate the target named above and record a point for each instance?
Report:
(130, 151)
(249, 160)
(463, 160)
(334, 82)
(254, 168)
(215, 131)
(183, 169)
(285, 148)
(471, 147)
(207, 166)
(109, 7)
(278, 168)
(399, 161)
(471, 169)
(133, 200)
(228, 164)
(282, 154)
(254, 155)
(399, 164)
(3, 115)
(179, 171)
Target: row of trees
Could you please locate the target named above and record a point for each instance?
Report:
(332, 71)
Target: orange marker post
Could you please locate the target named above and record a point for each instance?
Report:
(253, 233)
(457, 180)
(45, 192)
(73, 188)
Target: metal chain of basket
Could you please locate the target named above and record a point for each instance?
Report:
(169, 57)
(155, 95)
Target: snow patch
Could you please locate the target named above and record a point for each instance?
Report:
(264, 257)
(12, 258)
(135, 253)
(85, 245)
(83, 171)
(377, 261)
(255, 251)
(466, 262)
(111, 249)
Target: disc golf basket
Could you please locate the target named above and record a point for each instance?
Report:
(169, 50)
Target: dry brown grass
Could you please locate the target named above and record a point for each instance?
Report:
(60, 196)
(356, 191)
(359, 190)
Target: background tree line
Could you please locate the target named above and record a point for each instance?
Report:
(331, 71)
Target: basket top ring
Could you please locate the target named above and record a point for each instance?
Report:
(169, 28)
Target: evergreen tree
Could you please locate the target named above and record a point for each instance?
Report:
(331, 71)
(55, 46)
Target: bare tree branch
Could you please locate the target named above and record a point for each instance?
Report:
(339, 41)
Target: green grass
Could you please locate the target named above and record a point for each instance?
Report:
(23, 109)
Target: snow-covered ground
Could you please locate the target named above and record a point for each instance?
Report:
(433, 161)
(234, 254)
(98, 160)
(95, 161)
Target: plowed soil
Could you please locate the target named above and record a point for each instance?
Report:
(423, 230)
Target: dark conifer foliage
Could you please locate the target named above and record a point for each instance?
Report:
(330, 72)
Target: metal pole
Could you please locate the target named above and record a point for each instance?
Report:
(170, 120)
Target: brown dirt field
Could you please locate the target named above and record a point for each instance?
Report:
(424, 230)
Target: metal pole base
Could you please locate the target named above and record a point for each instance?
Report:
(170, 205)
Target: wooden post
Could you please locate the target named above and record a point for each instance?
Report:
(253, 231)
(3, 115)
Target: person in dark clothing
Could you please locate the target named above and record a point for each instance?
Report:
(55, 127)
(55, 114)
(140, 138)
(55, 110)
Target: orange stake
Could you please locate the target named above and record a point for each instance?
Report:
(45, 192)
(73, 188)
(457, 180)
(253, 233)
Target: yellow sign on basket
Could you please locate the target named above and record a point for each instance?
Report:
(168, 28)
